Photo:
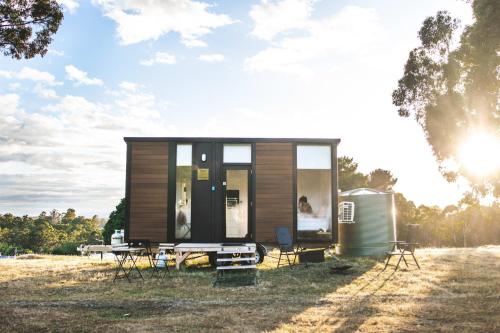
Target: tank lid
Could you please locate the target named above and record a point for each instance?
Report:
(363, 191)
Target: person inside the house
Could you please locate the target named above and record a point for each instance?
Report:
(304, 206)
(181, 219)
(183, 229)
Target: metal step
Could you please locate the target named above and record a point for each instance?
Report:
(236, 267)
(236, 252)
(235, 259)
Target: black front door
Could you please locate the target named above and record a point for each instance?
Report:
(212, 200)
(202, 200)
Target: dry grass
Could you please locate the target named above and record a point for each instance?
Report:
(456, 290)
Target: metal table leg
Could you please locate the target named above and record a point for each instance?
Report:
(134, 266)
(121, 259)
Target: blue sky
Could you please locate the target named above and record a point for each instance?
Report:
(292, 68)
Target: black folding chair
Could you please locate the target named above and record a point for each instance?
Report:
(146, 244)
(285, 244)
(404, 248)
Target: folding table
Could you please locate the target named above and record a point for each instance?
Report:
(126, 258)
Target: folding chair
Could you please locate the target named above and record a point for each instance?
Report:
(404, 248)
(285, 243)
(146, 244)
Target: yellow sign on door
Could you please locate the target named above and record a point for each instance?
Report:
(203, 174)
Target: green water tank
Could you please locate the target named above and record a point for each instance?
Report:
(367, 222)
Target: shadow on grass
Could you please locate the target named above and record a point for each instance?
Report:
(360, 307)
(463, 297)
(453, 293)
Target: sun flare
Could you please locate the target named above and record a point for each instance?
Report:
(480, 154)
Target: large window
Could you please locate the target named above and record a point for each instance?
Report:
(183, 192)
(314, 192)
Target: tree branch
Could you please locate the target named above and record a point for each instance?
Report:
(37, 21)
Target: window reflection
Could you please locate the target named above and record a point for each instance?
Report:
(237, 203)
(183, 192)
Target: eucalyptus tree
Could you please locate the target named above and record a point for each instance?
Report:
(27, 26)
(451, 87)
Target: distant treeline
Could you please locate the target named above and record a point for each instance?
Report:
(465, 224)
(48, 233)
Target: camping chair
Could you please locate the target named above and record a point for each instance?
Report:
(404, 248)
(285, 243)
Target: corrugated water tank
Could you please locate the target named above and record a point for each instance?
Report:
(367, 222)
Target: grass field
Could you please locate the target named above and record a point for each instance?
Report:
(457, 290)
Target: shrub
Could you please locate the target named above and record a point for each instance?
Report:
(116, 221)
(7, 249)
(66, 248)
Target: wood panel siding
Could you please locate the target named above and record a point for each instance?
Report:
(274, 193)
(148, 191)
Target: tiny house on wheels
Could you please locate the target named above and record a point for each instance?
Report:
(231, 190)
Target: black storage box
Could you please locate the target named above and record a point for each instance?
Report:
(315, 255)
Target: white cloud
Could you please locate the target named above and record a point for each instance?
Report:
(56, 52)
(159, 58)
(216, 57)
(351, 32)
(143, 20)
(45, 92)
(6, 74)
(31, 74)
(28, 73)
(129, 86)
(70, 153)
(42, 81)
(14, 86)
(274, 17)
(81, 77)
(70, 5)
(9, 105)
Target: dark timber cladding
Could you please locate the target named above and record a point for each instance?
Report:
(148, 174)
(274, 193)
